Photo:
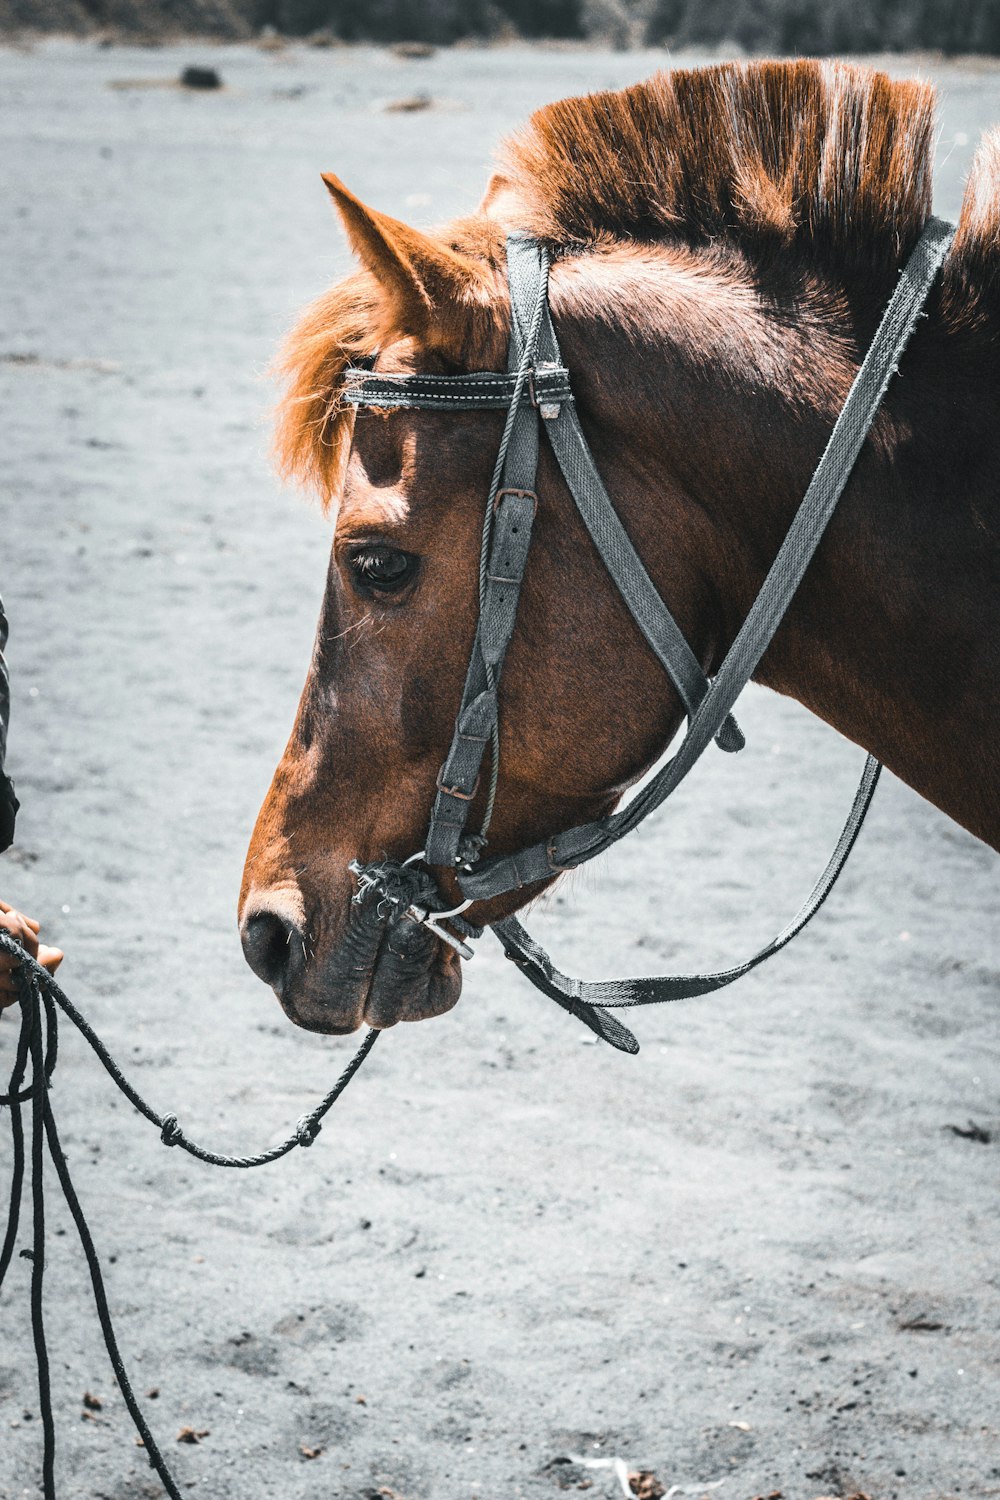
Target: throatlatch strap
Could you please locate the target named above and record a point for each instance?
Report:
(618, 555)
(504, 873)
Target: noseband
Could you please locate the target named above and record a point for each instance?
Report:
(537, 396)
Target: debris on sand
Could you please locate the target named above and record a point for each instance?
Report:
(644, 1484)
(633, 1482)
(567, 1473)
(412, 49)
(200, 78)
(409, 104)
(192, 1435)
(92, 1402)
(308, 1452)
(971, 1132)
(919, 1324)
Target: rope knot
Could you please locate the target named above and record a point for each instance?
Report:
(470, 848)
(170, 1131)
(393, 887)
(307, 1130)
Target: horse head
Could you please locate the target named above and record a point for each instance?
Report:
(724, 253)
(406, 489)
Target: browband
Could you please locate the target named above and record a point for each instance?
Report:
(547, 388)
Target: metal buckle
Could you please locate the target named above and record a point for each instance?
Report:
(453, 791)
(524, 494)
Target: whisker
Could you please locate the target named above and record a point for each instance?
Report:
(343, 634)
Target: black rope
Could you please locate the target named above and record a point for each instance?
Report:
(38, 1040)
(17, 1156)
(39, 1099)
(101, 1303)
(51, 1035)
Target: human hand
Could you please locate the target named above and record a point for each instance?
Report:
(50, 958)
(23, 930)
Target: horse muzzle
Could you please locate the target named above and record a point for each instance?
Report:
(389, 963)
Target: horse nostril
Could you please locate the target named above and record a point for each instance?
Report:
(266, 939)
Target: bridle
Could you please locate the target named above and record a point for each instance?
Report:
(536, 394)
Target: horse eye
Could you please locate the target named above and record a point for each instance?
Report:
(381, 570)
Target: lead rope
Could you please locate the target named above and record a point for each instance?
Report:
(40, 995)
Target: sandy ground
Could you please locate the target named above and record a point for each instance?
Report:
(509, 1247)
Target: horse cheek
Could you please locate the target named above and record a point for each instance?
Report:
(427, 711)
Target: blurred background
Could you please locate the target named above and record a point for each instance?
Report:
(787, 26)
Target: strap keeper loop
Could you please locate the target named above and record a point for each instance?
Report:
(547, 410)
(550, 855)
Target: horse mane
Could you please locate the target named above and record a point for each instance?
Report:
(825, 160)
(761, 154)
(314, 427)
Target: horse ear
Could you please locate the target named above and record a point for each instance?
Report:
(501, 200)
(425, 278)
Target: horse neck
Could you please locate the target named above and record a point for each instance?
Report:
(892, 637)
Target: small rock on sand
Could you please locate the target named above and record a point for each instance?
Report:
(200, 78)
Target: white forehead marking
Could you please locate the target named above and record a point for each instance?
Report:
(374, 508)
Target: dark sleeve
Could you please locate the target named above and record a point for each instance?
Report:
(8, 802)
(8, 811)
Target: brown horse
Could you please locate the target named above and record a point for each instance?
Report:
(723, 242)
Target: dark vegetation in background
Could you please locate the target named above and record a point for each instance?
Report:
(437, 21)
(440, 21)
(779, 26)
(820, 27)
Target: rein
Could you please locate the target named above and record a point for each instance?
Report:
(536, 393)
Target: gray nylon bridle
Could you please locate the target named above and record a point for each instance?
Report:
(536, 394)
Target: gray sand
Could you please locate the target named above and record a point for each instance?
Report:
(509, 1246)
